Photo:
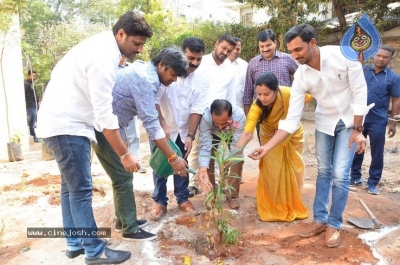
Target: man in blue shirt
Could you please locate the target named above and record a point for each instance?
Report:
(134, 94)
(383, 84)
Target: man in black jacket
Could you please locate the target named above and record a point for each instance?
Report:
(31, 100)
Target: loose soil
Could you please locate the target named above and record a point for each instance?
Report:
(30, 197)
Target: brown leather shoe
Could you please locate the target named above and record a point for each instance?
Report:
(233, 203)
(314, 229)
(332, 237)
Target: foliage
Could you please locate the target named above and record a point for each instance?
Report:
(16, 137)
(54, 41)
(225, 159)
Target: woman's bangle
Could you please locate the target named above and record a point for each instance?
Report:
(123, 156)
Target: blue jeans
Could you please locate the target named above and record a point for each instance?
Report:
(334, 160)
(31, 117)
(376, 133)
(181, 184)
(72, 154)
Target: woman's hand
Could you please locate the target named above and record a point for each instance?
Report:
(258, 153)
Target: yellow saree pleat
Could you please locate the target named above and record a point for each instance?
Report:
(282, 169)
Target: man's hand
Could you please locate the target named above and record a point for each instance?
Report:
(204, 181)
(359, 139)
(130, 163)
(392, 129)
(258, 153)
(188, 146)
(180, 167)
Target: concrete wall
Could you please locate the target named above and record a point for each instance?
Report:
(12, 89)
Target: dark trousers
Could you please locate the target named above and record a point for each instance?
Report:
(376, 134)
(31, 118)
(124, 197)
(235, 172)
(181, 184)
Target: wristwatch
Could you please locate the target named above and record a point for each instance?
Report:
(358, 128)
(191, 136)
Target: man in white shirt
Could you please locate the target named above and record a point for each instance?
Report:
(180, 107)
(240, 67)
(222, 86)
(77, 101)
(339, 87)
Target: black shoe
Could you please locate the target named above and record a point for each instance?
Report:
(192, 191)
(139, 235)
(113, 257)
(141, 223)
(74, 253)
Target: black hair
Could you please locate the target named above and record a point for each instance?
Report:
(193, 44)
(228, 38)
(269, 80)
(31, 71)
(173, 57)
(388, 48)
(305, 31)
(220, 105)
(133, 24)
(236, 39)
(265, 35)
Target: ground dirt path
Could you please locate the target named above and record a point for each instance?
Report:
(30, 198)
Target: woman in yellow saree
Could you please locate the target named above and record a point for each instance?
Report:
(282, 170)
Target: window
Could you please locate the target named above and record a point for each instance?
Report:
(247, 19)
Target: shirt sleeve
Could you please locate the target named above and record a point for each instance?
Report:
(205, 134)
(160, 93)
(358, 87)
(143, 93)
(241, 120)
(231, 91)
(395, 87)
(252, 118)
(296, 106)
(101, 78)
(248, 91)
(200, 104)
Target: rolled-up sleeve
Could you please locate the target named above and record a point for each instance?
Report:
(101, 78)
(205, 134)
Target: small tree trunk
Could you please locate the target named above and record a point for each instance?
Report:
(337, 6)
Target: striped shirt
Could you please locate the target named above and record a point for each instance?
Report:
(282, 65)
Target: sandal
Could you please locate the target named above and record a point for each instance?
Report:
(158, 212)
(189, 208)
